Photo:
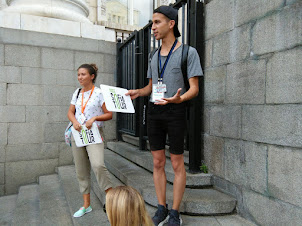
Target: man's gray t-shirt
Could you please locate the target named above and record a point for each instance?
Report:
(173, 77)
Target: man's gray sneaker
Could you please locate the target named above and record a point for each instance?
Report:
(161, 215)
(174, 218)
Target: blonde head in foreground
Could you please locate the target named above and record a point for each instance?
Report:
(126, 207)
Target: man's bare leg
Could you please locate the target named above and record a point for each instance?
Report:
(159, 175)
(179, 183)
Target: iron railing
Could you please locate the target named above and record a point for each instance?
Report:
(132, 63)
(127, 77)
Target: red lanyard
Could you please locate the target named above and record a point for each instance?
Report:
(83, 107)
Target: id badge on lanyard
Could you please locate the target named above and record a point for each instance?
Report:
(158, 91)
(82, 119)
(160, 88)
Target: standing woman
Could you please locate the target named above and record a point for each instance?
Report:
(88, 105)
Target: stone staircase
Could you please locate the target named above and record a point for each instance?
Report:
(54, 199)
(137, 172)
(50, 202)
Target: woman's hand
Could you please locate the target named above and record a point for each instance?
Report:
(90, 122)
(77, 126)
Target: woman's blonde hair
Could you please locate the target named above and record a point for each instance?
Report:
(126, 207)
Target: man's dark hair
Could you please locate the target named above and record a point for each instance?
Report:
(172, 14)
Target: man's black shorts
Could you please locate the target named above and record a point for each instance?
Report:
(167, 119)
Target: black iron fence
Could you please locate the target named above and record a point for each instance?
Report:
(132, 63)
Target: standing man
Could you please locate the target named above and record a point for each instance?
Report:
(167, 109)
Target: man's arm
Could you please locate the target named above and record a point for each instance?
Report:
(146, 91)
(177, 98)
(193, 90)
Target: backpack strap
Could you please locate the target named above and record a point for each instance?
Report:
(79, 92)
(152, 53)
(184, 65)
(77, 98)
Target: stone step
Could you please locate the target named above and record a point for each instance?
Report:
(74, 199)
(135, 141)
(27, 210)
(54, 209)
(226, 220)
(7, 209)
(144, 159)
(195, 201)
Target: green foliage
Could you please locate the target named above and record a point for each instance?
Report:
(204, 168)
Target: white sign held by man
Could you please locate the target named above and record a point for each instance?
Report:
(87, 136)
(116, 100)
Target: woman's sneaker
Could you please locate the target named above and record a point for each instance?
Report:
(174, 218)
(161, 215)
(82, 211)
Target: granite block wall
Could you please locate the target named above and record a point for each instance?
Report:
(253, 112)
(38, 75)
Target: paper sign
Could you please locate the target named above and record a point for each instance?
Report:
(116, 100)
(86, 136)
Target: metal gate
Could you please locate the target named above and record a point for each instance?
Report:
(132, 63)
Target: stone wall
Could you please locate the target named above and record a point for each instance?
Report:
(253, 112)
(37, 79)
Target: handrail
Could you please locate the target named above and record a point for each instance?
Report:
(132, 36)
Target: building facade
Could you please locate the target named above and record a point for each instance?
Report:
(252, 67)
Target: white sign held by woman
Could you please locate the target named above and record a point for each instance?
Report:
(116, 100)
(87, 136)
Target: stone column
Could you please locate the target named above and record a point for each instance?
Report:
(2, 4)
(73, 10)
(130, 12)
(101, 5)
(163, 2)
